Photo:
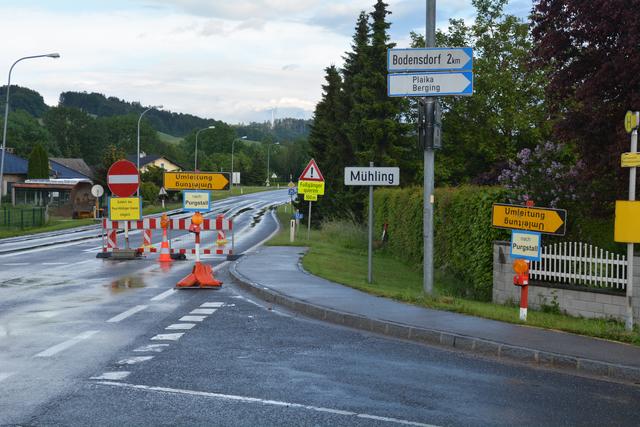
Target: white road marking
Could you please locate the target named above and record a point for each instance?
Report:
(12, 264)
(203, 311)
(5, 375)
(134, 360)
(127, 313)
(167, 337)
(66, 344)
(114, 376)
(192, 318)
(48, 248)
(212, 304)
(54, 263)
(181, 326)
(164, 295)
(246, 399)
(49, 314)
(156, 348)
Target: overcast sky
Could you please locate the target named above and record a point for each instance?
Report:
(232, 60)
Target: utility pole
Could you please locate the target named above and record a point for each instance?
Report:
(429, 161)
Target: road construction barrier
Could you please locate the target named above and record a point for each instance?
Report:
(219, 224)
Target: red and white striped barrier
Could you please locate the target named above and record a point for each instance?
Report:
(148, 224)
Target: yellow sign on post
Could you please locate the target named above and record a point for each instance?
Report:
(627, 225)
(311, 187)
(196, 181)
(542, 220)
(310, 197)
(630, 160)
(125, 208)
(631, 121)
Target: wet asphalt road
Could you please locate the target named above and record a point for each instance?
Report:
(70, 355)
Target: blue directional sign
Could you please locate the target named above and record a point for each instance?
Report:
(430, 59)
(430, 84)
(298, 215)
(293, 191)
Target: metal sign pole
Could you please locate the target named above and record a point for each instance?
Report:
(632, 196)
(429, 162)
(370, 256)
(309, 221)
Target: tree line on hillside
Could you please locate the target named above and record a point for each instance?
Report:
(73, 133)
(544, 119)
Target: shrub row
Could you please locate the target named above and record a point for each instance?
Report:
(463, 232)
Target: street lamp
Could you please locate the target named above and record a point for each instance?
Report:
(268, 150)
(6, 115)
(196, 156)
(232, 147)
(138, 151)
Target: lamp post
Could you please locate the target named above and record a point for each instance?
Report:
(6, 115)
(268, 153)
(138, 150)
(195, 166)
(232, 147)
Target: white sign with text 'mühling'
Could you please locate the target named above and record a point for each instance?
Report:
(375, 176)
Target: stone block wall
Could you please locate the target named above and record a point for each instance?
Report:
(587, 303)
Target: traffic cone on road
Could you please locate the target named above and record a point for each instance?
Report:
(202, 274)
(165, 255)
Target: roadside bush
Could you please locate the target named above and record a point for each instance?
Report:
(463, 232)
(149, 191)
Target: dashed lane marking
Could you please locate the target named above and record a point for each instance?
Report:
(66, 344)
(167, 337)
(280, 403)
(181, 326)
(155, 348)
(54, 263)
(203, 311)
(134, 360)
(113, 376)
(127, 313)
(212, 304)
(192, 318)
(15, 264)
(5, 375)
(164, 295)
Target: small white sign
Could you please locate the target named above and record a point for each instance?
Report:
(236, 178)
(371, 176)
(526, 245)
(97, 190)
(199, 201)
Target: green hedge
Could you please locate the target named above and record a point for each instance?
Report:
(463, 233)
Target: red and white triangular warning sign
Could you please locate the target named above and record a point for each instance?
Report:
(311, 172)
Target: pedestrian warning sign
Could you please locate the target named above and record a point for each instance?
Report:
(311, 173)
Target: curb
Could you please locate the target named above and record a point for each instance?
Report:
(544, 359)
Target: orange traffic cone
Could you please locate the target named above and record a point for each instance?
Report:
(165, 256)
(202, 276)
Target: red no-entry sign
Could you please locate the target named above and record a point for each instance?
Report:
(123, 178)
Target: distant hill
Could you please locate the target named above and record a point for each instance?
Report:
(22, 98)
(283, 130)
(176, 124)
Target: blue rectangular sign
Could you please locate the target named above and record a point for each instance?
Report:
(430, 59)
(526, 245)
(292, 191)
(430, 84)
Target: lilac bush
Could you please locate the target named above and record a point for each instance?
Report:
(548, 174)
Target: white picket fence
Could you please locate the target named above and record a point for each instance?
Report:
(580, 264)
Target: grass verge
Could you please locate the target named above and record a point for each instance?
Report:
(338, 253)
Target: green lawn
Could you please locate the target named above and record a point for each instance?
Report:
(338, 253)
(65, 223)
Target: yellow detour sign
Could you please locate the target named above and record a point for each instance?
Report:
(125, 208)
(630, 160)
(311, 187)
(631, 121)
(310, 197)
(542, 220)
(627, 226)
(196, 181)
